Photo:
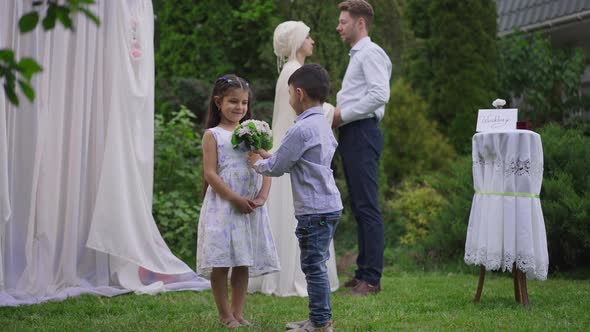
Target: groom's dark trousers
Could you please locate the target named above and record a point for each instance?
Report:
(360, 145)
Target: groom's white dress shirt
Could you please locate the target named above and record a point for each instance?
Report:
(365, 87)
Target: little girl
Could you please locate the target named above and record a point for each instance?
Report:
(234, 229)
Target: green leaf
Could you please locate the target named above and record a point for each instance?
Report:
(49, 20)
(10, 93)
(7, 55)
(28, 22)
(27, 89)
(90, 15)
(63, 15)
(28, 67)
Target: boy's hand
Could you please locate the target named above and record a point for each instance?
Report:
(263, 153)
(253, 158)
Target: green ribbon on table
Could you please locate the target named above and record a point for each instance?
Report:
(497, 193)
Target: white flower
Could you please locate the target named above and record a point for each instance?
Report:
(499, 103)
(244, 130)
(262, 128)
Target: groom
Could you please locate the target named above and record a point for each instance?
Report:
(360, 107)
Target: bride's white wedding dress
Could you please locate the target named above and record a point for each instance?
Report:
(290, 281)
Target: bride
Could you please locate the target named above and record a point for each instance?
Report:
(292, 43)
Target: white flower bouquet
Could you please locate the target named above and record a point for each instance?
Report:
(255, 134)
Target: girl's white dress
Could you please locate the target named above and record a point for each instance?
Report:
(226, 236)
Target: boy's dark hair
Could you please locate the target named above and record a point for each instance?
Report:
(313, 79)
(221, 88)
(358, 8)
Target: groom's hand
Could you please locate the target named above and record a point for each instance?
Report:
(337, 121)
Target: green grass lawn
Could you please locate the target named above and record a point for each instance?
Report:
(409, 301)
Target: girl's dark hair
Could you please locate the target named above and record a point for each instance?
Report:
(222, 87)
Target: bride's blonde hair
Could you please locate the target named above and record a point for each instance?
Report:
(288, 38)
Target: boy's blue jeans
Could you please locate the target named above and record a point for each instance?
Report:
(315, 232)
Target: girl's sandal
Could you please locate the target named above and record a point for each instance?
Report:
(246, 323)
(230, 324)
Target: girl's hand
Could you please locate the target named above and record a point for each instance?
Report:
(243, 204)
(259, 201)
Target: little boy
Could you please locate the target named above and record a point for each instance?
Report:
(306, 153)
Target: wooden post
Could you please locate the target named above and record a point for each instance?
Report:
(482, 274)
(516, 283)
(524, 295)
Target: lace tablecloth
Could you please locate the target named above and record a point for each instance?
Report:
(506, 223)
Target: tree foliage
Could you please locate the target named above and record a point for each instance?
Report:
(197, 42)
(453, 62)
(541, 80)
(210, 38)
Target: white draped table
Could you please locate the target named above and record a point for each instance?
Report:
(506, 227)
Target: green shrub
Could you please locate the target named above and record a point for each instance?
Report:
(432, 212)
(446, 239)
(177, 219)
(565, 196)
(416, 207)
(426, 219)
(178, 182)
(413, 144)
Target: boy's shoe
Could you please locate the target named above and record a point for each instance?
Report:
(296, 325)
(308, 327)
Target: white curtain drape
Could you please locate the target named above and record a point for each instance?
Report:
(76, 166)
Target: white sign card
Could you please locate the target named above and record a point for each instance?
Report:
(497, 119)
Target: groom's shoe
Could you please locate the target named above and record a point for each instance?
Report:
(363, 288)
(352, 283)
